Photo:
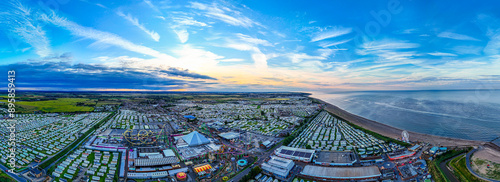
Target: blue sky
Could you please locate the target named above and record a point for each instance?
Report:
(251, 45)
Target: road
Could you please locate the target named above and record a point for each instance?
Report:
(259, 161)
(449, 174)
(17, 178)
(469, 167)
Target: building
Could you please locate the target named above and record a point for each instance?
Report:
(195, 139)
(407, 172)
(414, 148)
(278, 167)
(320, 173)
(400, 154)
(229, 135)
(328, 158)
(267, 144)
(36, 172)
(298, 154)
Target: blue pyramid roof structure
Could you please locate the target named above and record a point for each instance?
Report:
(194, 139)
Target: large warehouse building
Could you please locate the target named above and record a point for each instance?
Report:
(298, 154)
(320, 173)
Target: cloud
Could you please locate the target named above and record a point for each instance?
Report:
(22, 22)
(330, 44)
(187, 21)
(493, 46)
(180, 25)
(299, 57)
(66, 76)
(390, 53)
(252, 40)
(185, 73)
(334, 32)
(467, 49)
(451, 35)
(134, 21)
(224, 14)
(150, 4)
(232, 60)
(441, 54)
(101, 37)
(182, 34)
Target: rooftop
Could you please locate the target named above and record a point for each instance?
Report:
(341, 172)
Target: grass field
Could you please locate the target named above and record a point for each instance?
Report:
(57, 105)
(5, 178)
(493, 172)
(460, 169)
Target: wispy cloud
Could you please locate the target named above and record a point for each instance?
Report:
(182, 34)
(456, 36)
(181, 24)
(467, 49)
(101, 37)
(151, 5)
(225, 14)
(187, 21)
(390, 51)
(331, 33)
(442, 54)
(22, 23)
(330, 44)
(134, 21)
(299, 57)
(253, 40)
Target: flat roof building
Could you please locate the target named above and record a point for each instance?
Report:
(156, 161)
(278, 167)
(320, 173)
(335, 158)
(229, 135)
(292, 153)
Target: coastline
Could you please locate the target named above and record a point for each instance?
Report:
(394, 132)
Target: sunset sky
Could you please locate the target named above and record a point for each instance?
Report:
(250, 45)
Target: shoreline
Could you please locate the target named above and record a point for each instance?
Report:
(393, 132)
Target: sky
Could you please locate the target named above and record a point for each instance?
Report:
(250, 45)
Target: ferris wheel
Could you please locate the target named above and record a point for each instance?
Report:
(405, 136)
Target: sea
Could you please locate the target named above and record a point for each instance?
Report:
(465, 114)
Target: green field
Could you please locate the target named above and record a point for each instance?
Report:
(56, 105)
(5, 178)
(460, 169)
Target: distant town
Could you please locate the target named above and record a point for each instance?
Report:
(235, 137)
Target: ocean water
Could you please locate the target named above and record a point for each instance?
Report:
(466, 114)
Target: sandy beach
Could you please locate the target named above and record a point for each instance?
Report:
(393, 132)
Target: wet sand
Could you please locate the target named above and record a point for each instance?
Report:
(393, 132)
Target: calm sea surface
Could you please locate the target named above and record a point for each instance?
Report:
(460, 114)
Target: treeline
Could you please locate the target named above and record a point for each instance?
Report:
(254, 172)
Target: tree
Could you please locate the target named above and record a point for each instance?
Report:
(308, 146)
